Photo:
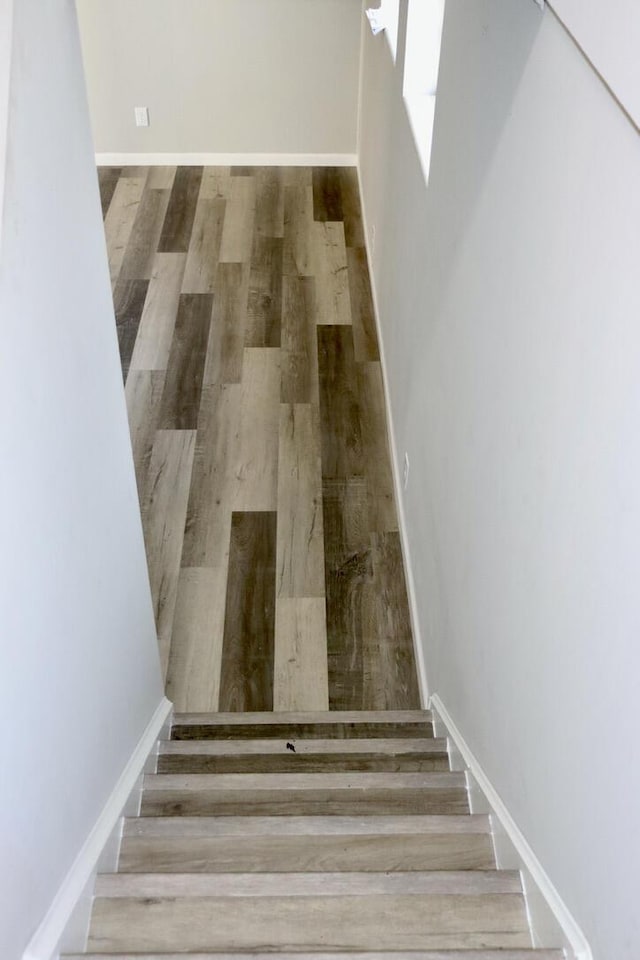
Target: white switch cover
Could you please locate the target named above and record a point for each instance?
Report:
(142, 116)
(405, 471)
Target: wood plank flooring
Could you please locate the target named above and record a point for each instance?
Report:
(254, 389)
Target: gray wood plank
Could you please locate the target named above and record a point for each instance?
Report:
(327, 194)
(225, 349)
(340, 424)
(185, 369)
(143, 241)
(178, 221)
(204, 247)
(299, 342)
(365, 336)
(264, 310)
(128, 301)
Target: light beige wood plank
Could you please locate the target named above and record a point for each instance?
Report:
(300, 538)
(299, 231)
(333, 301)
(229, 748)
(120, 218)
(465, 883)
(216, 183)
(208, 526)
(143, 394)
(237, 232)
(163, 513)
(271, 854)
(161, 178)
(329, 922)
(297, 176)
(204, 247)
(300, 679)
(193, 675)
(158, 320)
(256, 467)
(296, 716)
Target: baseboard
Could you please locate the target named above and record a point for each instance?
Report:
(397, 481)
(65, 927)
(226, 159)
(552, 924)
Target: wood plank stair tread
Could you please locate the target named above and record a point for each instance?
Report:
(530, 953)
(300, 730)
(304, 826)
(284, 782)
(459, 883)
(303, 747)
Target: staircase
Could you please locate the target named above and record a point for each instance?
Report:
(308, 834)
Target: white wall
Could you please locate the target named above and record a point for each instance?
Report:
(509, 304)
(223, 76)
(609, 33)
(78, 658)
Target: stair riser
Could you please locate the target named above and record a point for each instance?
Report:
(300, 731)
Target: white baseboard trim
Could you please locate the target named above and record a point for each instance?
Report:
(552, 924)
(66, 924)
(226, 159)
(397, 481)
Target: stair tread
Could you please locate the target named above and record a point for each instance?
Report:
(304, 781)
(530, 953)
(457, 883)
(302, 826)
(383, 745)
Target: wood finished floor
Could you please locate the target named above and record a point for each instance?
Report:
(257, 415)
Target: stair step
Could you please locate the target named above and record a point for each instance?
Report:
(307, 923)
(459, 883)
(312, 756)
(501, 954)
(304, 826)
(399, 724)
(238, 854)
(304, 794)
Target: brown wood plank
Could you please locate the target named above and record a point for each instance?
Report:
(288, 762)
(183, 385)
(107, 181)
(350, 191)
(298, 231)
(143, 394)
(128, 302)
(246, 681)
(365, 337)
(397, 681)
(296, 803)
(178, 222)
(157, 324)
(264, 311)
(375, 444)
(327, 194)
(349, 585)
(225, 350)
(299, 382)
(339, 404)
(303, 731)
(254, 471)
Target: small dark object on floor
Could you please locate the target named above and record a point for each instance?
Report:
(291, 747)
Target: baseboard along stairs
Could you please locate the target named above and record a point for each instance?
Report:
(333, 835)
